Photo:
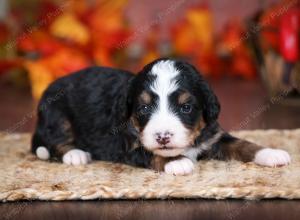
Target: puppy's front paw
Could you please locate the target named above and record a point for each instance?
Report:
(76, 157)
(272, 157)
(179, 167)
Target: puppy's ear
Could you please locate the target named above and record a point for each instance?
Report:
(211, 104)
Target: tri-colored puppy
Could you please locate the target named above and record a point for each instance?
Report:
(163, 118)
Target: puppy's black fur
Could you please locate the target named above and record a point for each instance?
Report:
(98, 110)
(91, 114)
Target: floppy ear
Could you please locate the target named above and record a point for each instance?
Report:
(211, 104)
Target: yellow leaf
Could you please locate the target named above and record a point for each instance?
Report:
(40, 77)
(69, 27)
(201, 23)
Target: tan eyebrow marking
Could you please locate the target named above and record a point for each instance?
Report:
(183, 98)
(145, 97)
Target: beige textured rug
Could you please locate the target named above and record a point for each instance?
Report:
(22, 176)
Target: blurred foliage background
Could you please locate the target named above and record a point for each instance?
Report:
(42, 40)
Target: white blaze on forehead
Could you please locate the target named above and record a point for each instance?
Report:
(165, 83)
(163, 119)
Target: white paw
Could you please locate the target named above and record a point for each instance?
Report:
(42, 153)
(76, 157)
(272, 157)
(179, 167)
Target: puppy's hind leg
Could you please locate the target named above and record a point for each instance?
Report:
(54, 139)
(229, 147)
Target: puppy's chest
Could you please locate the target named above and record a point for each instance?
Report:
(196, 152)
(203, 149)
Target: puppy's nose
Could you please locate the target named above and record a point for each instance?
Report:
(163, 138)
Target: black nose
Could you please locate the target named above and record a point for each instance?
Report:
(163, 138)
(163, 141)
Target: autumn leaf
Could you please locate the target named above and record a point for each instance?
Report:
(67, 26)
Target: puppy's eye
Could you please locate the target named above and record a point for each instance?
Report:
(186, 109)
(144, 109)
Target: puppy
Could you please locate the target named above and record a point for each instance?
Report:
(164, 118)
